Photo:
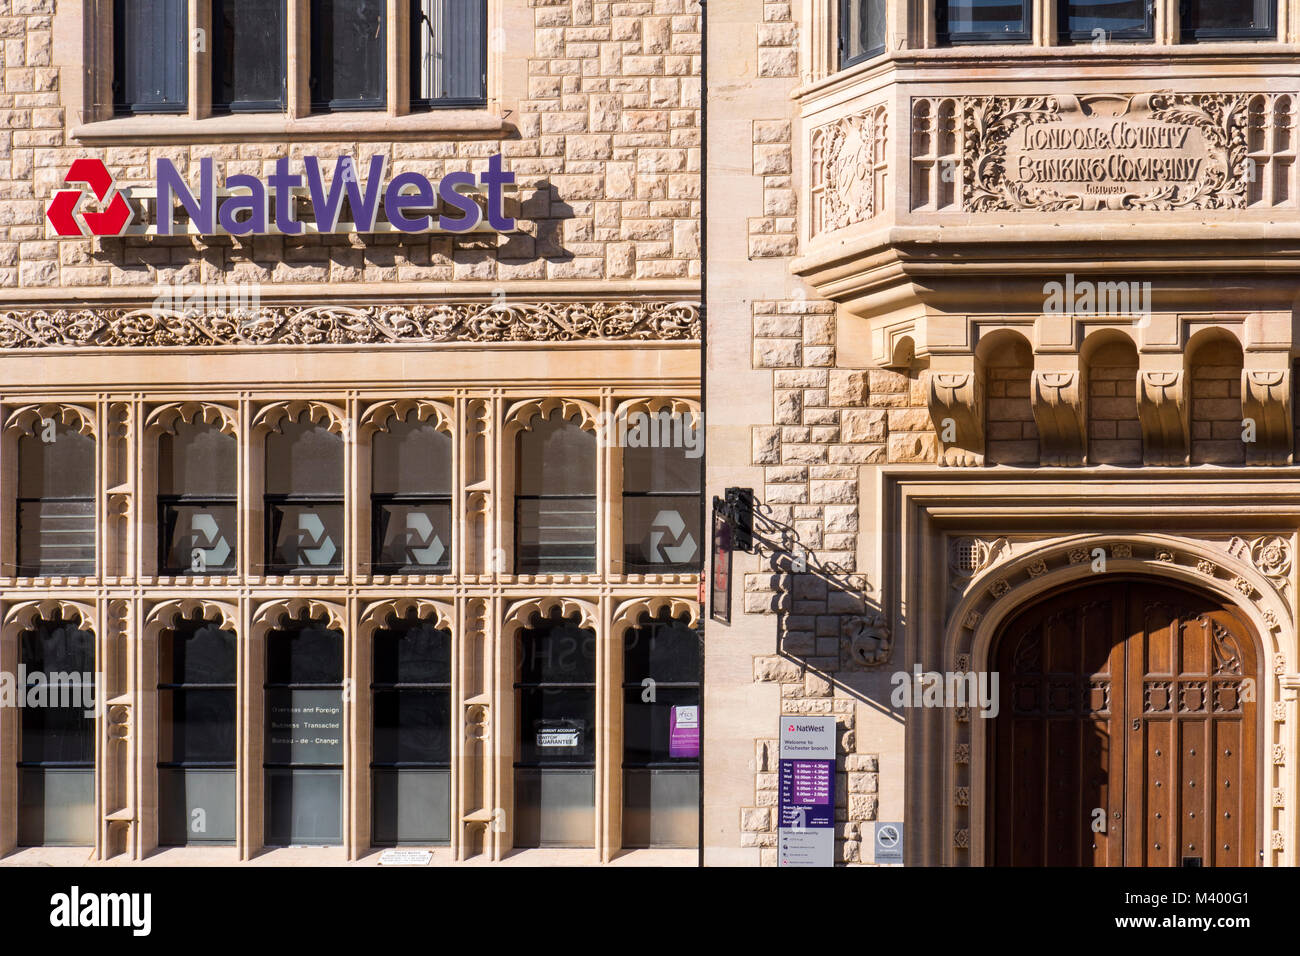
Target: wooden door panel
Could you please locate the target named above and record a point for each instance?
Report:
(1134, 699)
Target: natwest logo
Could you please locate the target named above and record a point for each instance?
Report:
(289, 202)
(65, 215)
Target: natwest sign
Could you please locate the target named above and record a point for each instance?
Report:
(291, 202)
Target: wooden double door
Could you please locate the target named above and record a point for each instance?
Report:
(1127, 733)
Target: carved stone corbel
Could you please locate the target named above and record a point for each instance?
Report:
(1266, 401)
(1162, 410)
(1058, 413)
(956, 403)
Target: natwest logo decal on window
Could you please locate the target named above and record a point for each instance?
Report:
(287, 203)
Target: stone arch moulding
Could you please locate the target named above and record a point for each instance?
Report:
(27, 419)
(520, 415)
(274, 614)
(381, 416)
(381, 613)
(168, 418)
(274, 416)
(993, 596)
(22, 616)
(629, 614)
(521, 613)
(167, 614)
(653, 406)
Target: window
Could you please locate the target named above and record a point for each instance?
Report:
(448, 52)
(555, 773)
(56, 501)
(150, 56)
(197, 508)
(983, 21)
(555, 507)
(1225, 20)
(1088, 20)
(248, 55)
(348, 53)
(661, 493)
(56, 740)
(304, 498)
(196, 734)
(304, 736)
(411, 764)
(411, 498)
(862, 30)
(661, 735)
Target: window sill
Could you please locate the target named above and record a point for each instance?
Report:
(154, 129)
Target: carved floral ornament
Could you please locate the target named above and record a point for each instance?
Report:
(846, 157)
(865, 640)
(116, 327)
(1145, 152)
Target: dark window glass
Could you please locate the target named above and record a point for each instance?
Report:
(411, 498)
(1223, 20)
(56, 742)
(555, 769)
(303, 759)
(448, 52)
(347, 54)
(196, 734)
(661, 492)
(1088, 20)
(197, 510)
(304, 498)
(248, 55)
(555, 508)
(661, 734)
(56, 501)
(150, 56)
(862, 30)
(411, 763)
(983, 21)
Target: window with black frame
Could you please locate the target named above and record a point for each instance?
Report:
(150, 56)
(983, 21)
(410, 498)
(304, 498)
(448, 53)
(555, 501)
(196, 734)
(198, 510)
(411, 760)
(304, 735)
(56, 736)
(661, 734)
(248, 56)
(56, 501)
(348, 55)
(862, 30)
(555, 771)
(1202, 20)
(1114, 20)
(661, 492)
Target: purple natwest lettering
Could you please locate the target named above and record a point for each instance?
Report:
(408, 199)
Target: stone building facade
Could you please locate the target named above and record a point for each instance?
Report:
(456, 347)
(1003, 338)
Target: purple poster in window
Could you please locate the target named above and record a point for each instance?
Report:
(684, 731)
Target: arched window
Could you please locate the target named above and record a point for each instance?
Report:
(304, 498)
(555, 773)
(1216, 403)
(411, 497)
(1010, 433)
(56, 735)
(197, 709)
(1114, 431)
(56, 501)
(555, 505)
(661, 734)
(197, 507)
(304, 735)
(411, 760)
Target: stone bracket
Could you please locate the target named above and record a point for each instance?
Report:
(956, 403)
(1266, 401)
(1058, 413)
(1163, 413)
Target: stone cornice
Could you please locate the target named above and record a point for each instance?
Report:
(512, 322)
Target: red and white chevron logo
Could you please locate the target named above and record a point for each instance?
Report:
(68, 220)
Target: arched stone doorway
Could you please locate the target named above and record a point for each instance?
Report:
(1128, 731)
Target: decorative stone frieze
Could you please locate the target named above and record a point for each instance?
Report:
(849, 164)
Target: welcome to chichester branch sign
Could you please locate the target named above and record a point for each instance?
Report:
(245, 205)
